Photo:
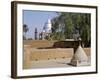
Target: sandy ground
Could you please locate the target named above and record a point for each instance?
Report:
(53, 63)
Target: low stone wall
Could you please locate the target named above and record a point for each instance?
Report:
(46, 54)
(33, 54)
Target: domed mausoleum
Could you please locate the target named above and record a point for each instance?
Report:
(46, 30)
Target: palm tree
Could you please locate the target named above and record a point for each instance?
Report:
(25, 29)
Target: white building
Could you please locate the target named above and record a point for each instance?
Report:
(47, 27)
(46, 30)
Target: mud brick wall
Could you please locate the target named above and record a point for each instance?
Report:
(47, 54)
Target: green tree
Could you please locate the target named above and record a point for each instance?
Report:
(86, 29)
(69, 27)
(65, 25)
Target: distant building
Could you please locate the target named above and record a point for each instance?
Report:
(46, 30)
(47, 27)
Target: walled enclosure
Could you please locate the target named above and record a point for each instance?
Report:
(35, 50)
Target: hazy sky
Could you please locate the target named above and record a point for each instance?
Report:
(36, 19)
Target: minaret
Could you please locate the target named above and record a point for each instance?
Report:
(35, 36)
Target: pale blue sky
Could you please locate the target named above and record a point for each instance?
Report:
(36, 19)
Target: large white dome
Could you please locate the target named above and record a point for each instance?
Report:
(48, 26)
